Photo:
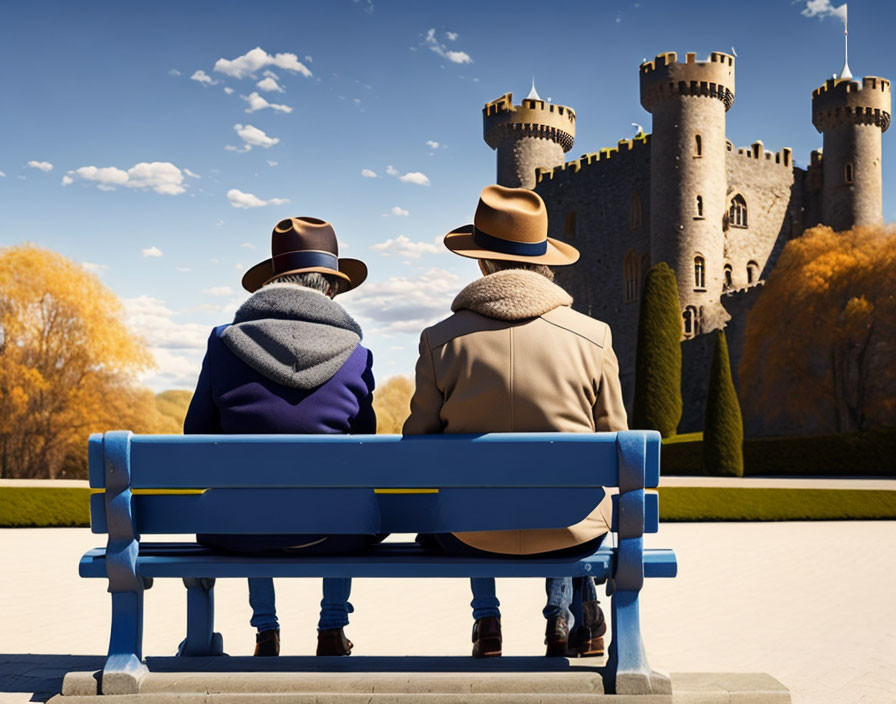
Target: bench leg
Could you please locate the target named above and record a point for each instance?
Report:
(628, 671)
(124, 667)
(201, 638)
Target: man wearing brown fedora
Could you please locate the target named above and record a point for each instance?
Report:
(515, 357)
(291, 362)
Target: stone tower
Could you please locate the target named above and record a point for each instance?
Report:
(527, 136)
(688, 181)
(851, 117)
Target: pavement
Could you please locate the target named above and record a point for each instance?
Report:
(811, 604)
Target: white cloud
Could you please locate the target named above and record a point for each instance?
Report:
(391, 170)
(253, 137)
(161, 176)
(241, 150)
(202, 77)
(182, 269)
(174, 72)
(94, 268)
(414, 177)
(228, 90)
(367, 173)
(367, 5)
(247, 245)
(218, 291)
(44, 166)
(191, 174)
(432, 144)
(308, 59)
(403, 304)
(269, 85)
(256, 103)
(2, 175)
(253, 61)
(272, 163)
(405, 247)
(238, 199)
(400, 211)
(455, 57)
(151, 252)
(823, 8)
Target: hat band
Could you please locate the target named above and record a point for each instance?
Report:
(496, 244)
(289, 261)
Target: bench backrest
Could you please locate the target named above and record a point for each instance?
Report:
(368, 483)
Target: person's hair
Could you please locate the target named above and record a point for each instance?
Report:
(494, 265)
(309, 279)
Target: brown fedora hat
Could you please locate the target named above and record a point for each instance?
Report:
(300, 245)
(511, 224)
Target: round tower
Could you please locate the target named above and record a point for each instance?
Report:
(851, 116)
(527, 136)
(688, 181)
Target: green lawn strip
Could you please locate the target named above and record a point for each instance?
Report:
(770, 504)
(44, 507)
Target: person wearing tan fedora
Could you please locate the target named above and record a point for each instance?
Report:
(515, 357)
(291, 362)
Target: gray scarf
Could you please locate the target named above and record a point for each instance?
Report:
(292, 335)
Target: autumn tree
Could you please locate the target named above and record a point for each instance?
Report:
(723, 428)
(820, 342)
(67, 365)
(658, 357)
(392, 404)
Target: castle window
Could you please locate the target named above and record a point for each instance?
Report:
(737, 211)
(699, 272)
(698, 145)
(699, 206)
(569, 226)
(690, 321)
(634, 212)
(631, 275)
(752, 272)
(847, 172)
(728, 277)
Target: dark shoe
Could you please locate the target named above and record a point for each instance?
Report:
(332, 642)
(556, 637)
(487, 637)
(267, 643)
(587, 639)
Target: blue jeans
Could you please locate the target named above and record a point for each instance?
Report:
(334, 607)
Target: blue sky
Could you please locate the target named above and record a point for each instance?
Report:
(307, 96)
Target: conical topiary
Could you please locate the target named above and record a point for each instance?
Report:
(658, 361)
(723, 429)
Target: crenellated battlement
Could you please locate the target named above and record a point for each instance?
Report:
(531, 118)
(666, 77)
(845, 101)
(757, 152)
(601, 157)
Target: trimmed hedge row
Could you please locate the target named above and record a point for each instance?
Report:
(44, 507)
(871, 453)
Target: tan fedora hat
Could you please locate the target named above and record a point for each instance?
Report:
(300, 245)
(511, 224)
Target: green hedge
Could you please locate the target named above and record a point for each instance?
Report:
(869, 453)
(44, 506)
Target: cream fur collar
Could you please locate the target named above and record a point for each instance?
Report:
(513, 294)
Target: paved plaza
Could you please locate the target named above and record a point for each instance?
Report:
(809, 603)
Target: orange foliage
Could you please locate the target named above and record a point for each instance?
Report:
(820, 343)
(392, 404)
(67, 364)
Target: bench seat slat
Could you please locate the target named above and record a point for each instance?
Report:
(388, 560)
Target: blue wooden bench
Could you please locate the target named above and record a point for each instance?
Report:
(157, 484)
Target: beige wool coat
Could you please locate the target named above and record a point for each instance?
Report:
(515, 357)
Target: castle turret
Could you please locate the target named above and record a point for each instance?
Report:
(527, 136)
(852, 116)
(688, 181)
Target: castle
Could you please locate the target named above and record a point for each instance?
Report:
(684, 194)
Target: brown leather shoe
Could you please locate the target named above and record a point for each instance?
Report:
(332, 642)
(586, 640)
(556, 637)
(487, 637)
(267, 643)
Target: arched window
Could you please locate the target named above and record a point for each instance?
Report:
(752, 272)
(847, 172)
(634, 212)
(737, 211)
(698, 145)
(569, 225)
(728, 277)
(699, 206)
(690, 321)
(631, 276)
(699, 272)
